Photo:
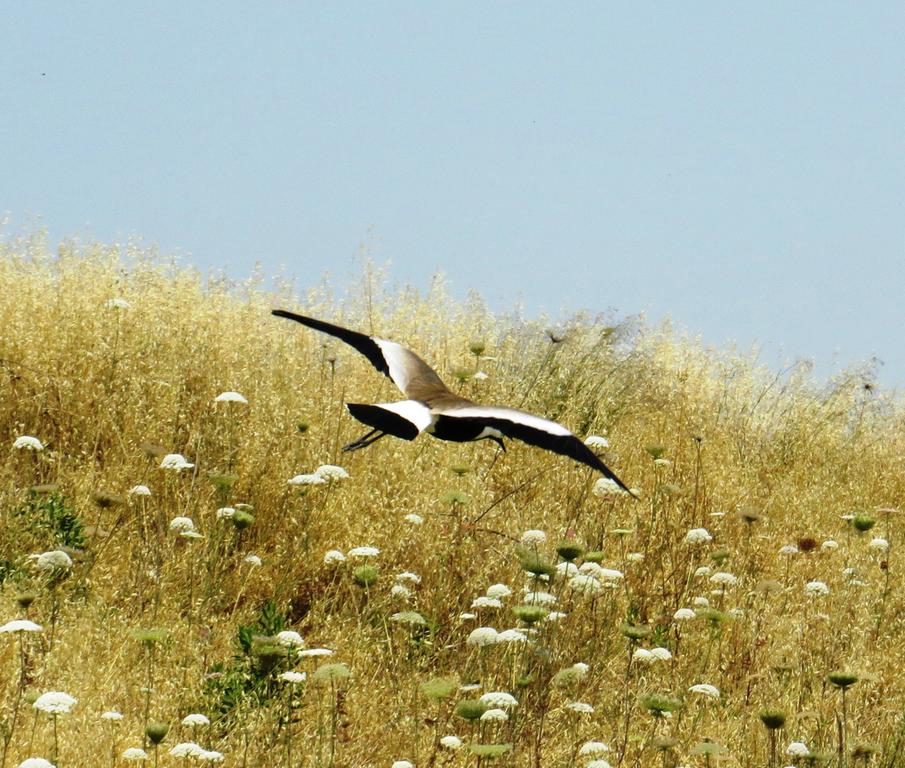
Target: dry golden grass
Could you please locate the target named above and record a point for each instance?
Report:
(759, 460)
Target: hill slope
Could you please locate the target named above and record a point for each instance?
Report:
(114, 360)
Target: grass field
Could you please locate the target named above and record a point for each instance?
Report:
(624, 634)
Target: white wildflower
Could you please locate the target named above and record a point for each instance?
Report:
(879, 544)
(20, 625)
(334, 557)
(701, 602)
(139, 490)
(724, 579)
(402, 764)
(182, 524)
(54, 560)
(539, 598)
(414, 578)
(585, 583)
(566, 569)
(516, 635)
(36, 762)
(789, 549)
(703, 570)
(797, 749)
(314, 652)
(195, 719)
(705, 689)
(610, 574)
(485, 602)
(816, 588)
(684, 614)
(498, 591)
(230, 397)
(482, 636)
(307, 480)
(226, 513)
(400, 592)
(499, 699)
(698, 536)
(175, 461)
(643, 656)
(555, 616)
(363, 552)
(607, 487)
(581, 707)
(331, 472)
(55, 703)
(28, 443)
(134, 753)
(467, 616)
(534, 536)
(600, 763)
(581, 668)
(117, 303)
(661, 654)
(290, 639)
(480, 376)
(252, 560)
(495, 714)
(293, 677)
(596, 441)
(451, 742)
(186, 749)
(634, 557)
(190, 535)
(211, 755)
(829, 544)
(413, 518)
(112, 715)
(591, 748)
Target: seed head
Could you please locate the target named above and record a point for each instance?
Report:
(842, 678)
(773, 719)
(156, 732)
(471, 709)
(365, 575)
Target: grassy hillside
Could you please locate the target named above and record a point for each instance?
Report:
(113, 360)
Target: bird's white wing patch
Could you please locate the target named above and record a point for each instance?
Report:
(399, 361)
(508, 414)
(412, 411)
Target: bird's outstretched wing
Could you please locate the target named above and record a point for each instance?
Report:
(405, 369)
(533, 430)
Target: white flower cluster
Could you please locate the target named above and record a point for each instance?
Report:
(322, 475)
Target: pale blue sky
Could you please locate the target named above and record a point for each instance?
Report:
(739, 167)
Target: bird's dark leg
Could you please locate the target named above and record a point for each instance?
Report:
(364, 441)
(498, 441)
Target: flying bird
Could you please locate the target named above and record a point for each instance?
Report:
(431, 407)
